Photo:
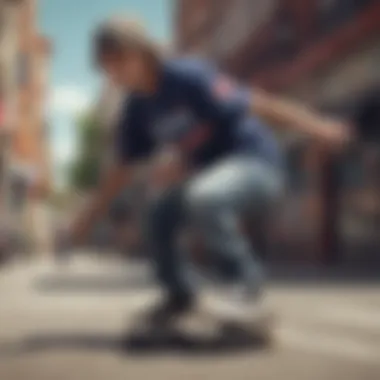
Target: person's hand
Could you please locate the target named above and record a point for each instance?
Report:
(336, 135)
(168, 169)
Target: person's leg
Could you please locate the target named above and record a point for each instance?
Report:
(163, 221)
(216, 201)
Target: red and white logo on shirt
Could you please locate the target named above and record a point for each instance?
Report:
(223, 87)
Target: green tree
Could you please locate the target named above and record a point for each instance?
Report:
(85, 169)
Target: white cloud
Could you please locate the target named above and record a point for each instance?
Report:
(69, 99)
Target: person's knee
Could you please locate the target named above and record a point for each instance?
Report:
(203, 204)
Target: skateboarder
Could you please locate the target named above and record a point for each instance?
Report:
(213, 130)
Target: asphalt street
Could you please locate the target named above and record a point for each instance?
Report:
(67, 323)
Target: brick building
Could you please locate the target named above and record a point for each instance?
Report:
(29, 139)
(9, 11)
(279, 43)
(323, 52)
(27, 179)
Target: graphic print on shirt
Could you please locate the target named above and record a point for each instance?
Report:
(182, 127)
(223, 88)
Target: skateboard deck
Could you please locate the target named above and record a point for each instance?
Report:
(206, 327)
(257, 323)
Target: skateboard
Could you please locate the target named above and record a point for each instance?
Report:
(206, 328)
(256, 324)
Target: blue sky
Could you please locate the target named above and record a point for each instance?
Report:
(68, 23)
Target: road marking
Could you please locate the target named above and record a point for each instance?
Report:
(294, 338)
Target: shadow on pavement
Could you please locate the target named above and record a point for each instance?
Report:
(114, 284)
(90, 283)
(178, 344)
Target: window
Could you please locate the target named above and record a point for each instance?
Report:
(285, 32)
(243, 18)
(23, 67)
(334, 13)
(18, 192)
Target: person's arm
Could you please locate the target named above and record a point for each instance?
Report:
(113, 182)
(129, 147)
(215, 96)
(297, 118)
(168, 168)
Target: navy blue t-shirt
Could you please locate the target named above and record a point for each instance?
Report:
(199, 108)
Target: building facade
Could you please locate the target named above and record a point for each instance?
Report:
(322, 52)
(9, 11)
(27, 180)
(280, 43)
(29, 146)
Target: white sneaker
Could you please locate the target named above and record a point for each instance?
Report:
(237, 305)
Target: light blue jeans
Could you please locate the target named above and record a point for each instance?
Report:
(213, 202)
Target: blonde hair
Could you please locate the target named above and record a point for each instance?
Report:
(120, 34)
